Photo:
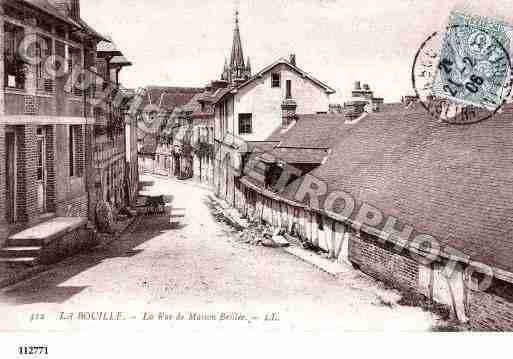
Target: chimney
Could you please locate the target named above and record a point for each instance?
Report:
(355, 108)
(288, 107)
(408, 99)
(292, 59)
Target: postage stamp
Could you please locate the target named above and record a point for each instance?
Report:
(474, 66)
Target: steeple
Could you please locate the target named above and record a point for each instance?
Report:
(237, 58)
(237, 70)
(226, 71)
(248, 66)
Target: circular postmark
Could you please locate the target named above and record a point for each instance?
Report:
(462, 76)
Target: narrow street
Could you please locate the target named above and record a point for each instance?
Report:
(200, 266)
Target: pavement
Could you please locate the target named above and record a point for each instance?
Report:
(199, 265)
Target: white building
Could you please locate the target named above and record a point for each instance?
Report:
(250, 110)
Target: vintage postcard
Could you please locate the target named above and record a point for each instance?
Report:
(311, 166)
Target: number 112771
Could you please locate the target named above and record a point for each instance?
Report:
(31, 350)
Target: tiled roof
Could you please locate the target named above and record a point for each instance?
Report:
(168, 98)
(300, 155)
(261, 146)
(313, 131)
(453, 182)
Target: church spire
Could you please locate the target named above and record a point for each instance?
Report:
(237, 59)
(236, 70)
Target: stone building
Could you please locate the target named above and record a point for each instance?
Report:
(46, 129)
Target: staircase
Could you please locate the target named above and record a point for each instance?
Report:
(26, 247)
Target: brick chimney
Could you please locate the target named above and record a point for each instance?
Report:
(288, 107)
(292, 59)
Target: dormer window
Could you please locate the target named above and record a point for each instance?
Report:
(275, 79)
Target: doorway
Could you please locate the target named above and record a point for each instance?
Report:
(10, 171)
(41, 170)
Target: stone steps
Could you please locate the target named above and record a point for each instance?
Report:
(21, 260)
(26, 247)
(20, 252)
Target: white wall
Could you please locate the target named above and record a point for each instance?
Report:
(264, 102)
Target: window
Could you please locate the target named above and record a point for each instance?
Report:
(75, 60)
(43, 51)
(275, 80)
(14, 66)
(76, 151)
(288, 93)
(245, 123)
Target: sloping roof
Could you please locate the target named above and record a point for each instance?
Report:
(108, 48)
(52, 10)
(49, 8)
(261, 146)
(193, 105)
(300, 155)
(214, 96)
(120, 61)
(167, 98)
(281, 61)
(314, 131)
(453, 182)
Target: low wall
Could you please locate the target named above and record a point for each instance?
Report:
(380, 262)
(491, 310)
(68, 244)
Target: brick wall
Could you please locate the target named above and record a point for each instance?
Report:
(491, 310)
(3, 224)
(382, 263)
(50, 168)
(73, 207)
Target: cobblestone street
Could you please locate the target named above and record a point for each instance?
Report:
(201, 266)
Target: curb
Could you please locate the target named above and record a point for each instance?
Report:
(333, 268)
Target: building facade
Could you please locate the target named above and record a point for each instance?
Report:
(252, 110)
(159, 118)
(55, 102)
(114, 173)
(46, 122)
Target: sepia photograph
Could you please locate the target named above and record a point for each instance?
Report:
(236, 166)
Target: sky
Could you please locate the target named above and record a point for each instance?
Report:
(185, 42)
